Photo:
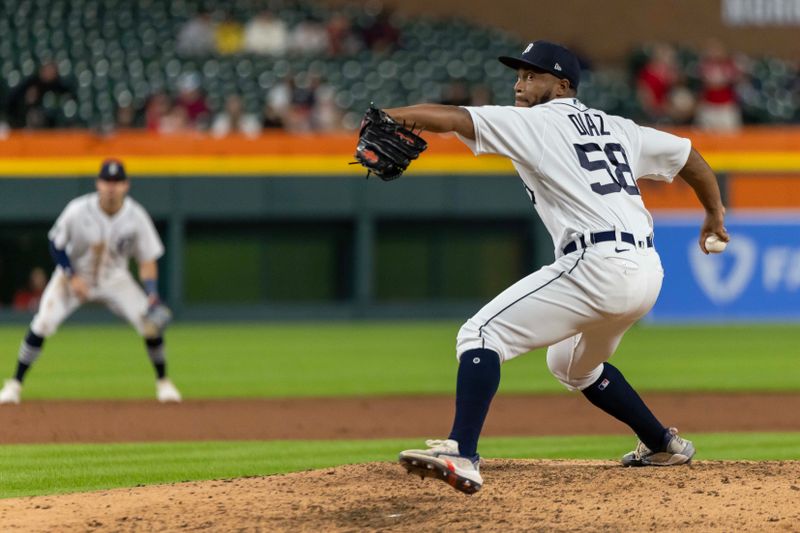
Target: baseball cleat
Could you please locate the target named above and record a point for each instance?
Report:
(678, 451)
(11, 391)
(442, 461)
(166, 391)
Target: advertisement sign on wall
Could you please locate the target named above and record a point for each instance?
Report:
(756, 278)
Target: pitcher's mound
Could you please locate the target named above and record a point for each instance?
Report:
(517, 496)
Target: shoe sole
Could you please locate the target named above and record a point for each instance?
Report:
(432, 468)
(640, 464)
(676, 459)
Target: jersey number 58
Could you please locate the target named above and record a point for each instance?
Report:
(621, 167)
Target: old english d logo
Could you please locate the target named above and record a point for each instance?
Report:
(723, 277)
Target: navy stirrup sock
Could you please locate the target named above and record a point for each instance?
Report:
(614, 395)
(155, 351)
(29, 351)
(477, 382)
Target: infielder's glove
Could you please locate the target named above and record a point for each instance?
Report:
(386, 148)
(155, 320)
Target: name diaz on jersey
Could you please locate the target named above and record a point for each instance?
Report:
(586, 125)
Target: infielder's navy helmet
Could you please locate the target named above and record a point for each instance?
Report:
(550, 57)
(112, 170)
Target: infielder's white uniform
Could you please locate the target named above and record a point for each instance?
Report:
(582, 304)
(99, 247)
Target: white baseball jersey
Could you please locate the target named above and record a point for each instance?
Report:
(100, 246)
(579, 164)
(580, 168)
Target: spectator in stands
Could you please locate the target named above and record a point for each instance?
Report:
(234, 119)
(302, 103)
(176, 121)
(481, 95)
(196, 36)
(456, 93)
(279, 101)
(156, 109)
(128, 116)
(341, 40)
(308, 37)
(27, 299)
(192, 101)
(229, 36)
(718, 108)
(655, 81)
(270, 118)
(303, 100)
(266, 35)
(326, 115)
(36, 102)
(682, 104)
(380, 35)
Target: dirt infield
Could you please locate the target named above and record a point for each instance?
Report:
(373, 418)
(518, 495)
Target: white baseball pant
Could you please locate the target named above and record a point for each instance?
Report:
(580, 306)
(121, 294)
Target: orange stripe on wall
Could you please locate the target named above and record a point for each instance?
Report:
(750, 139)
(143, 143)
(675, 195)
(774, 192)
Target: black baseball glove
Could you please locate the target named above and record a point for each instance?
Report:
(386, 148)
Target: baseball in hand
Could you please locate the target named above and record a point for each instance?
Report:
(714, 245)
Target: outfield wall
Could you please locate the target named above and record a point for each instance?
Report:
(261, 229)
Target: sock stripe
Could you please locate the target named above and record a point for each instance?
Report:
(28, 354)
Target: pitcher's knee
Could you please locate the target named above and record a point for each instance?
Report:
(472, 336)
(572, 378)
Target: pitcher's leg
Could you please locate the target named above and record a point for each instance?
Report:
(476, 385)
(580, 364)
(539, 309)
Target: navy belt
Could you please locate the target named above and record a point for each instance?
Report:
(604, 236)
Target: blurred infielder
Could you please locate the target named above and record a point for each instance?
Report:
(92, 242)
(579, 166)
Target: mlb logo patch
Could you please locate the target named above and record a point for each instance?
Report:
(603, 384)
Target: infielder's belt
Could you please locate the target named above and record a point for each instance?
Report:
(605, 236)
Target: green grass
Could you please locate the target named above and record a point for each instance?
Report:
(333, 359)
(27, 470)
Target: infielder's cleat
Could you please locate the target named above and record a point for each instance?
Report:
(678, 451)
(11, 391)
(442, 461)
(166, 391)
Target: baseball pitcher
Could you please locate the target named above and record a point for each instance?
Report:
(91, 243)
(580, 168)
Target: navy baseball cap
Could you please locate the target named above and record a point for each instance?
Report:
(112, 170)
(550, 57)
